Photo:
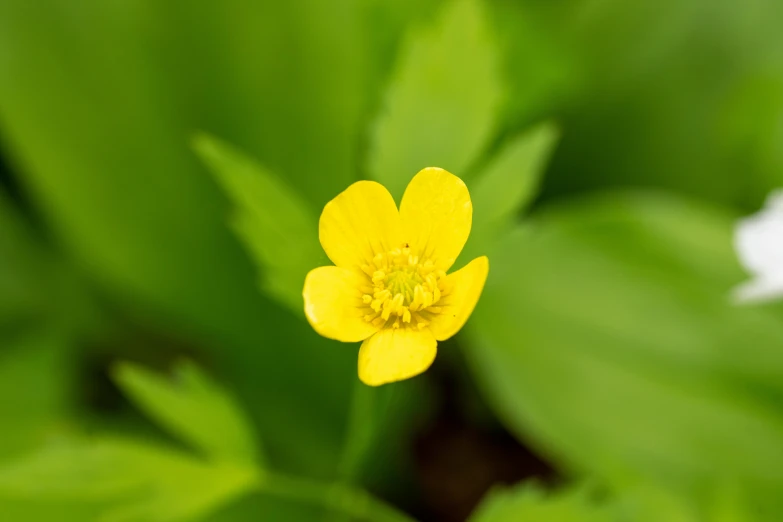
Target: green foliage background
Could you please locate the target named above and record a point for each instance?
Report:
(165, 166)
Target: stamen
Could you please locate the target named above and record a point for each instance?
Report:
(402, 286)
(427, 300)
(398, 303)
(387, 309)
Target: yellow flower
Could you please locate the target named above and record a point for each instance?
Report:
(390, 288)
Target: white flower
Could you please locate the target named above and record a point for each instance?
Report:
(759, 243)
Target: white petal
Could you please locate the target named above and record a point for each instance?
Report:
(775, 200)
(758, 291)
(759, 240)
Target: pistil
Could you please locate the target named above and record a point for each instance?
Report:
(403, 288)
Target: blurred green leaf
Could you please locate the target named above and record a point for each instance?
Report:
(352, 503)
(146, 483)
(37, 510)
(152, 229)
(544, 71)
(36, 286)
(442, 105)
(606, 337)
(656, 80)
(531, 503)
(272, 220)
(508, 184)
(751, 130)
(264, 507)
(288, 83)
(729, 506)
(19, 288)
(194, 408)
(646, 502)
(36, 381)
(642, 502)
(86, 470)
(138, 212)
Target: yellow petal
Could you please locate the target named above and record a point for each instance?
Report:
(333, 303)
(394, 354)
(360, 222)
(464, 289)
(436, 215)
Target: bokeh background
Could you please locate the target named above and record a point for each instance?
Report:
(162, 169)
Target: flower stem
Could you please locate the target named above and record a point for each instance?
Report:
(360, 431)
(338, 497)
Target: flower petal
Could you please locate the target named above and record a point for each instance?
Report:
(758, 291)
(360, 222)
(759, 240)
(394, 354)
(333, 303)
(436, 215)
(464, 289)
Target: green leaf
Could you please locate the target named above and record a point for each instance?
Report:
(36, 285)
(441, 107)
(507, 185)
(36, 510)
(275, 224)
(529, 502)
(141, 482)
(39, 290)
(193, 407)
(729, 506)
(136, 209)
(644, 502)
(35, 389)
(605, 336)
(543, 69)
(18, 289)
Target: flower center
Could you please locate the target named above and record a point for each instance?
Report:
(404, 289)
